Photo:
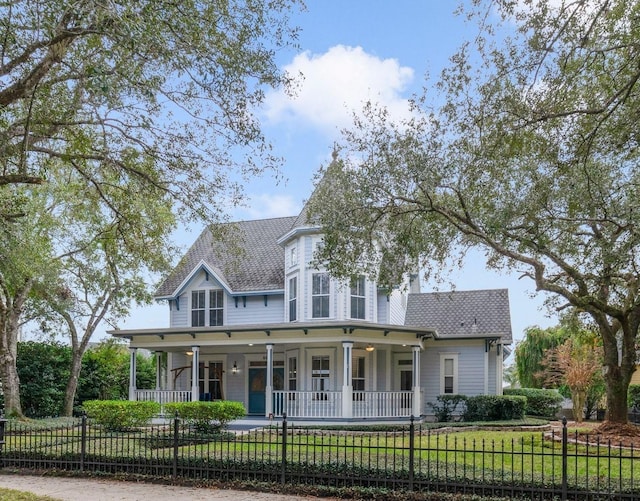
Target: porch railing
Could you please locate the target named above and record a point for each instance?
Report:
(308, 404)
(163, 396)
(328, 404)
(382, 404)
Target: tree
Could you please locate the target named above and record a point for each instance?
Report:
(131, 98)
(531, 155)
(575, 363)
(44, 370)
(100, 280)
(105, 372)
(530, 354)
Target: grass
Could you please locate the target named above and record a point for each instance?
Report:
(467, 453)
(11, 495)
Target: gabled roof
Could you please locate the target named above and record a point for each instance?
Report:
(462, 314)
(249, 261)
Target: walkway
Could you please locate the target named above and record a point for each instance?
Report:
(81, 489)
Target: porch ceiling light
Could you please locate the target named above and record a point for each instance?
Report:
(189, 353)
(234, 369)
(369, 347)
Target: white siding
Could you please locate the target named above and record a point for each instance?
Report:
(179, 317)
(470, 368)
(383, 308)
(397, 307)
(254, 311)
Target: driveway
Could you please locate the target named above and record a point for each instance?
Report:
(81, 489)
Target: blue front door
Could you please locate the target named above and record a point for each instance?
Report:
(257, 384)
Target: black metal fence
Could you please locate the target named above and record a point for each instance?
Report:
(535, 465)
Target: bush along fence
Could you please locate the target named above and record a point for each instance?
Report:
(534, 465)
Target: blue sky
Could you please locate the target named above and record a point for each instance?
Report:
(351, 51)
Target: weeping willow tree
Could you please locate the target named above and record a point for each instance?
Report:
(530, 354)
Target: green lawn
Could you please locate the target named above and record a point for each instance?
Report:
(487, 454)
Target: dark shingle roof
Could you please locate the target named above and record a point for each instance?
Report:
(249, 259)
(459, 314)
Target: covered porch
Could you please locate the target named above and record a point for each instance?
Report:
(329, 371)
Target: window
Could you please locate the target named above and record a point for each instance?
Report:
(357, 378)
(197, 308)
(216, 307)
(320, 374)
(358, 298)
(320, 295)
(405, 369)
(210, 380)
(357, 374)
(293, 256)
(449, 374)
(293, 373)
(293, 299)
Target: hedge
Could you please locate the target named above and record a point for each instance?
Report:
(494, 408)
(633, 396)
(121, 415)
(541, 403)
(206, 415)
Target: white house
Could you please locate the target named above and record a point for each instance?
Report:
(254, 321)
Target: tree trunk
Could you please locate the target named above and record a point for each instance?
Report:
(10, 384)
(617, 374)
(9, 322)
(72, 384)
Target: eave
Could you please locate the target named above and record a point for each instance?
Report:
(276, 333)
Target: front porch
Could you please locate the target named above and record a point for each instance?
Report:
(302, 371)
(319, 405)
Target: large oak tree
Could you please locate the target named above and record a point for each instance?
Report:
(138, 100)
(529, 152)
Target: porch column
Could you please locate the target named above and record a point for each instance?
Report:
(158, 370)
(347, 379)
(132, 373)
(268, 390)
(195, 374)
(417, 404)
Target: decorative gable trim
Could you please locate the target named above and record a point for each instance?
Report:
(201, 266)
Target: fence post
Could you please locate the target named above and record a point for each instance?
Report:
(83, 439)
(283, 477)
(412, 445)
(564, 458)
(176, 421)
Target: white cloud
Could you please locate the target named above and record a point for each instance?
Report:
(338, 82)
(266, 206)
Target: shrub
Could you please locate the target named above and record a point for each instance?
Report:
(446, 406)
(121, 415)
(43, 369)
(542, 403)
(207, 416)
(494, 408)
(633, 396)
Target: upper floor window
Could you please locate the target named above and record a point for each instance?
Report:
(197, 308)
(358, 300)
(216, 307)
(293, 299)
(320, 295)
(293, 256)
